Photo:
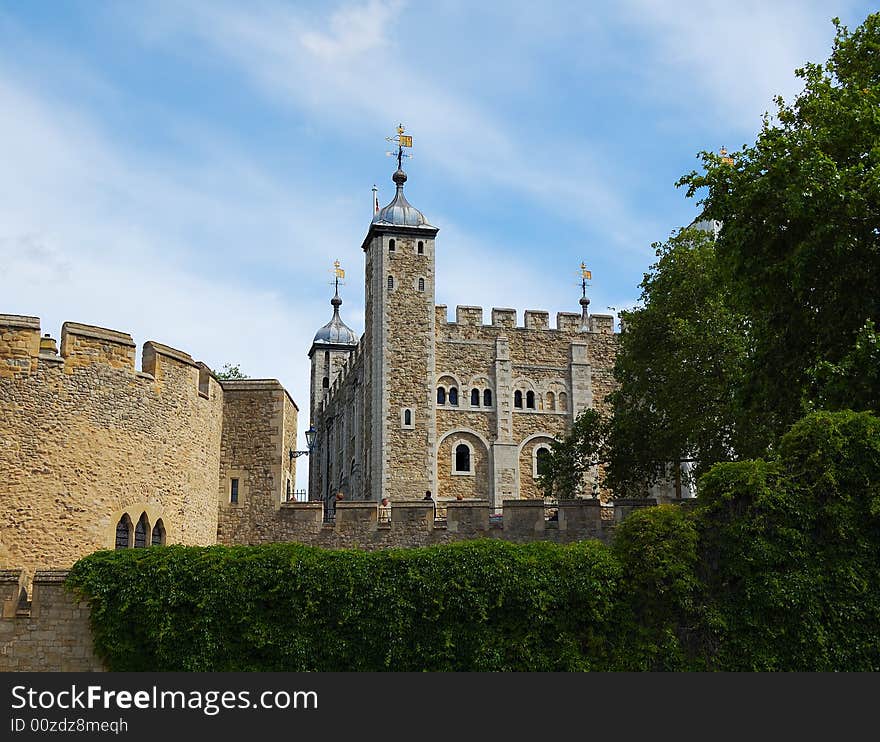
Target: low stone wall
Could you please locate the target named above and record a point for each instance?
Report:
(413, 523)
(48, 633)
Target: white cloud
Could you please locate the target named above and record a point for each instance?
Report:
(731, 57)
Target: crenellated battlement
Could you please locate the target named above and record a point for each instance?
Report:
(409, 523)
(24, 350)
(533, 319)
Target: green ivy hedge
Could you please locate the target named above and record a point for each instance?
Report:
(776, 568)
(482, 605)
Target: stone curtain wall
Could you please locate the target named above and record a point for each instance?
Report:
(50, 632)
(86, 437)
(259, 427)
(413, 523)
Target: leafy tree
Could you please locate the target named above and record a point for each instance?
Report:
(230, 372)
(569, 471)
(800, 242)
(680, 366)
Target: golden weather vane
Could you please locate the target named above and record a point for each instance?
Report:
(401, 140)
(338, 275)
(725, 158)
(585, 276)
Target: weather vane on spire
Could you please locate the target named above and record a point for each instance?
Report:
(401, 140)
(338, 273)
(585, 276)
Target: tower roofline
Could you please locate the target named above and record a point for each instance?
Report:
(378, 228)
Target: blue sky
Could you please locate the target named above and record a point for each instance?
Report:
(188, 171)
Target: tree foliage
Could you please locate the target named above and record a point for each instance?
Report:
(571, 470)
(230, 371)
(680, 362)
(800, 242)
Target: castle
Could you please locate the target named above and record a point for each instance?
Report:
(458, 409)
(96, 453)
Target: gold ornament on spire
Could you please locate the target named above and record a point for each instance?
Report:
(725, 158)
(401, 140)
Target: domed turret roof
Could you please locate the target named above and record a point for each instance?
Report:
(336, 332)
(400, 212)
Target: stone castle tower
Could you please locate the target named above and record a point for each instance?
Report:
(399, 344)
(459, 408)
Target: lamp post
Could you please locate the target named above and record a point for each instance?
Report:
(311, 433)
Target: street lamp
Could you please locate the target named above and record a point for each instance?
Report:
(310, 442)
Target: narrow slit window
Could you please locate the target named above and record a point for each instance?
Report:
(325, 382)
(233, 491)
(421, 248)
(390, 283)
(475, 397)
(421, 284)
(407, 417)
(392, 246)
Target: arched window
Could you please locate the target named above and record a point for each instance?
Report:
(542, 460)
(390, 282)
(453, 396)
(551, 401)
(462, 458)
(325, 382)
(140, 532)
(420, 248)
(563, 401)
(487, 398)
(517, 399)
(421, 284)
(123, 532)
(158, 537)
(530, 400)
(407, 417)
(441, 395)
(475, 397)
(392, 245)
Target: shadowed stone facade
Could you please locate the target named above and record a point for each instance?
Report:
(458, 408)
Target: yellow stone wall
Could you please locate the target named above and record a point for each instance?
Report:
(85, 437)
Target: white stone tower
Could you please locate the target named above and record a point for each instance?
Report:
(399, 351)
